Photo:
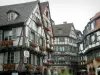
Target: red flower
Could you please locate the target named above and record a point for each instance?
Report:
(47, 28)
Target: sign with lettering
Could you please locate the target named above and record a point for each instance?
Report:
(26, 53)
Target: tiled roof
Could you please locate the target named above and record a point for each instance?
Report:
(24, 10)
(95, 16)
(66, 28)
(43, 6)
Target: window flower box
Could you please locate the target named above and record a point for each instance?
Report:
(97, 59)
(47, 28)
(51, 45)
(90, 61)
(34, 44)
(8, 66)
(42, 48)
(29, 67)
(6, 43)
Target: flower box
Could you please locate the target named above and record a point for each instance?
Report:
(6, 43)
(8, 66)
(51, 45)
(97, 59)
(42, 48)
(47, 28)
(29, 67)
(90, 61)
(34, 44)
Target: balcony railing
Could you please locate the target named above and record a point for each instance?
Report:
(91, 41)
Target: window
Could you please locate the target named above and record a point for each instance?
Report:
(1, 35)
(12, 15)
(5, 57)
(70, 40)
(8, 35)
(16, 57)
(60, 31)
(66, 48)
(11, 57)
(92, 25)
(32, 37)
(98, 36)
(40, 41)
(14, 31)
(93, 39)
(61, 39)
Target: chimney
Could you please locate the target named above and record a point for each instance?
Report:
(65, 22)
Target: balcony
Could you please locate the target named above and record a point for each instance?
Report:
(91, 41)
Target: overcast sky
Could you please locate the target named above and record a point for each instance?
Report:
(77, 11)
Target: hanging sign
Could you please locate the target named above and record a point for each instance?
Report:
(26, 53)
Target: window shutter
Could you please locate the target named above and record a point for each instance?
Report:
(14, 33)
(0, 35)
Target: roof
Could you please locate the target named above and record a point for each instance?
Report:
(95, 16)
(43, 6)
(66, 28)
(24, 10)
(78, 31)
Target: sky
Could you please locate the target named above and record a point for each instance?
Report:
(77, 12)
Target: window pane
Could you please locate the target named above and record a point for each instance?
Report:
(14, 33)
(61, 39)
(93, 25)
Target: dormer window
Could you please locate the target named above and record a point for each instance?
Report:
(60, 31)
(12, 15)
